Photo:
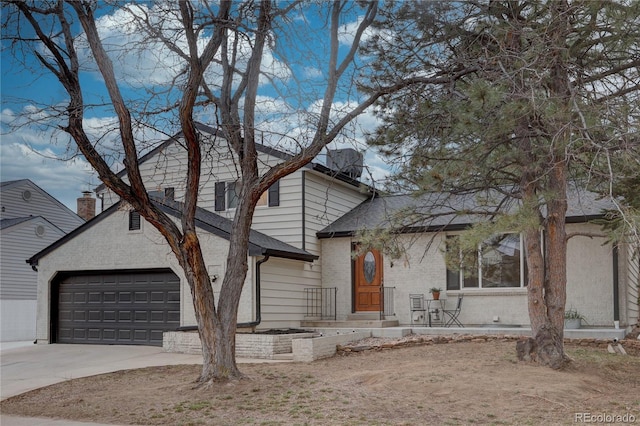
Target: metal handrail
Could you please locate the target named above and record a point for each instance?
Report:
(387, 308)
(321, 302)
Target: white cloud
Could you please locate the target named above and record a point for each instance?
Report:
(64, 180)
(140, 60)
(347, 32)
(33, 147)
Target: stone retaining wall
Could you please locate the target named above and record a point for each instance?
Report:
(263, 346)
(307, 350)
(632, 346)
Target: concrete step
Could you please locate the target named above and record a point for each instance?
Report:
(364, 316)
(349, 324)
(283, 357)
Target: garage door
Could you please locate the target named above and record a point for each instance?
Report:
(121, 308)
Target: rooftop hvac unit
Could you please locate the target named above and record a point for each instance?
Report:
(347, 161)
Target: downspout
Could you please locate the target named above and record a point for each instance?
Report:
(304, 203)
(258, 319)
(616, 290)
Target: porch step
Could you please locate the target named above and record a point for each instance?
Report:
(283, 357)
(349, 324)
(364, 316)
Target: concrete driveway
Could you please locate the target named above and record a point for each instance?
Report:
(35, 366)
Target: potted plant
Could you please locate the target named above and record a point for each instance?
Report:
(573, 319)
(435, 292)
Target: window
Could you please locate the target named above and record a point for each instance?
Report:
(170, 193)
(134, 221)
(226, 195)
(498, 263)
(233, 190)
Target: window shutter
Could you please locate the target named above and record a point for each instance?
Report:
(134, 221)
(220, 195)
(274, 194)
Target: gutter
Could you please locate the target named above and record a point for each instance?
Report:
(616, 280)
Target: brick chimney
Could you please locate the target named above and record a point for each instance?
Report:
(86, 206)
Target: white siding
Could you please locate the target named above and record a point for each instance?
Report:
(326, 201)
(168, 169)
(18, 280)
(40, 204)
(282, 292)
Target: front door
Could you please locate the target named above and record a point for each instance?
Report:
(368, 281)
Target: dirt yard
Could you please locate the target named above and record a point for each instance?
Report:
(461, 383)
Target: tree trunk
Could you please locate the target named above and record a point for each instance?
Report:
(548, 294)
(218, 351)
(547, 284)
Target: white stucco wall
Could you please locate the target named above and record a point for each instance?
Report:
(109, 245)
(589, 283)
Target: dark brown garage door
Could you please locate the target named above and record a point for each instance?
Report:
(121, 308)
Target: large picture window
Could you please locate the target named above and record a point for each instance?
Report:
(497, 263)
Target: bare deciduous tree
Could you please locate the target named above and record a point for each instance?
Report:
(217, 49)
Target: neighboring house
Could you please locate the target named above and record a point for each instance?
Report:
(31, 220)
(602, 280)
(115, 280)
(118, 249)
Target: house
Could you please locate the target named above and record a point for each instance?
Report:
(602, 280)
(114, 279)
(98, 284)
(31, 220)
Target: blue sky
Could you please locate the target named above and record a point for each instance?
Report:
(37, 152)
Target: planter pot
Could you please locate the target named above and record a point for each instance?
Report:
(572, 324)
(436, 296)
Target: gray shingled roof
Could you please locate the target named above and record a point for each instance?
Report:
(259, 147)
(8, 223)
(259, 243)
(444, 211)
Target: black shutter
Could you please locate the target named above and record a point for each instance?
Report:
(220, 196)
(274, 194)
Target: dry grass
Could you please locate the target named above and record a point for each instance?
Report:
(463, 383)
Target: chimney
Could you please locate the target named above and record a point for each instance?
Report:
(86, 206)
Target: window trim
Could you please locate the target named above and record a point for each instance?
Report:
(460, 273)
(223, 193)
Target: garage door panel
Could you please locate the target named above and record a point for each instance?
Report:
(141, 297)
(141, 316)
(124, 297)
(125, 316)
(131, 308)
